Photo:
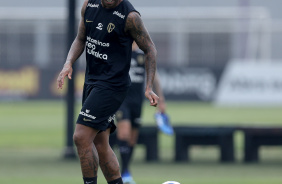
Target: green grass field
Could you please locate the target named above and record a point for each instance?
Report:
(32, 143)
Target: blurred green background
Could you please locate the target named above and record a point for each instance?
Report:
(32, 139)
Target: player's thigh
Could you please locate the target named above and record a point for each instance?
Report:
(123, 116)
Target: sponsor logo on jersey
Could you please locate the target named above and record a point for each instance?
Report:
(111, 118)
(93, 5)
(110, 27)
(87, 115)
(91, 45)
(97, 54)
(97, 42)
(100, 26)
(119, 14)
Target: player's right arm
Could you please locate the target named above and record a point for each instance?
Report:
(75, 51)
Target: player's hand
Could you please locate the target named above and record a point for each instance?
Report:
(66, 71)
(152, 97)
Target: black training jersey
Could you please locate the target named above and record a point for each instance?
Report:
(108, 47)
(137, 75)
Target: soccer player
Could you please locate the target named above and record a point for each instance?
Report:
(129, 113)
(106, 31)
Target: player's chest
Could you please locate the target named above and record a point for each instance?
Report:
(103, 24)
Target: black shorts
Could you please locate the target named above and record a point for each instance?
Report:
(99, 106)
(130, 111)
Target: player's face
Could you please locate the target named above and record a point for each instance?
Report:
(110, 3)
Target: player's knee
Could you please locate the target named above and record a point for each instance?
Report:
(101, 147)
(78, 139)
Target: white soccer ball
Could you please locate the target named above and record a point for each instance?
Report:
(171, 182)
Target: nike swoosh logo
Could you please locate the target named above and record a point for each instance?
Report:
(88, 20)
(84, 119)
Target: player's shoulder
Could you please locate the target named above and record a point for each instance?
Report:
(84, 6)
(85, 3)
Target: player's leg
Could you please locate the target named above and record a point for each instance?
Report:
(135, 126)
(89, 161)
(134, 133)
(134, 136)
(96, 115)
(132, 142)
(128, 134)
(124, 136)
(107, 158)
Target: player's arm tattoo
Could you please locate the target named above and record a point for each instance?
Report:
(135, 27)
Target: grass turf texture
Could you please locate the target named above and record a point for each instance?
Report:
(32, 142)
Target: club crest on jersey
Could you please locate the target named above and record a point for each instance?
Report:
(110, 27)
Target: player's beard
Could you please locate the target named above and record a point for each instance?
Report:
(110, 3)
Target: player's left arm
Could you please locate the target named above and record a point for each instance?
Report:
(159, 91)
(135, 27)
(75, 51)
